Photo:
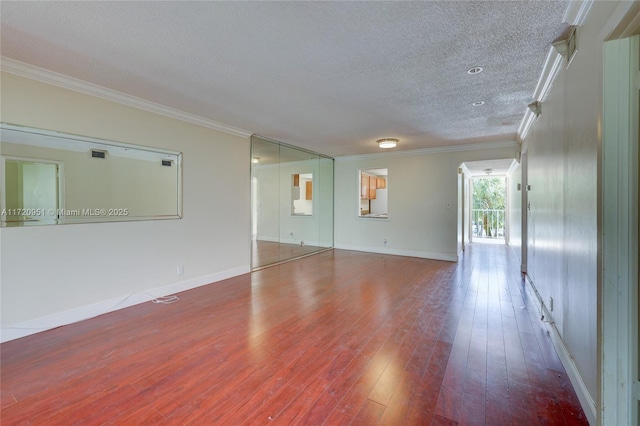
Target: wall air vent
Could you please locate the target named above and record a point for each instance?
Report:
(96, 153)
(167, 163)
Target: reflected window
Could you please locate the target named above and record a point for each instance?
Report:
(373, 197)
(302, 194)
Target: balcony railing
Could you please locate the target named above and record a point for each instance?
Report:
(487, 223)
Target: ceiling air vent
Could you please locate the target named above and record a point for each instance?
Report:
(167, 163)
(96, 153)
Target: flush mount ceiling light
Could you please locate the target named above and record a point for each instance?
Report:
(478, 103)
(255, 160)
(488, 171)
(387, 143)
(474, 70)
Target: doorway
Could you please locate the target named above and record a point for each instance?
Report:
(488, 209)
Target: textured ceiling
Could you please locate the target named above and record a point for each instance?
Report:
(329, 76)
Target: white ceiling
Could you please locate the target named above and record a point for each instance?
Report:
(482, 168)
(329, 76)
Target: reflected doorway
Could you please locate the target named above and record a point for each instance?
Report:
(32, 191)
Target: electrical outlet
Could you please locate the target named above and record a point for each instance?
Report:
(180, 270)
(301, 243)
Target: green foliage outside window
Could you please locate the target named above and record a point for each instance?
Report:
(489, 196)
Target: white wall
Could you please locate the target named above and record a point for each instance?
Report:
(48, 271)
(563, 154)
(422, 202)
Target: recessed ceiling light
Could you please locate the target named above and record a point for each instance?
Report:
(387, 143)
(478, 103)
(475, 70)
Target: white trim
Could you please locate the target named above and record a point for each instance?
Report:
(60, 80)
(399, 252)
(624, 21)
(577, 12)
(586, 400)
(513, 167)
(549, 72)
(434, 150)
(81, 313)
(618, 233)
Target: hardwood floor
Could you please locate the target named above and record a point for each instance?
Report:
(266, 252)
(337, 338)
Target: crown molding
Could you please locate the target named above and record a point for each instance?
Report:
(60, 80)
(549, 72)
(577, 12)
(513, 167)
(434, 150)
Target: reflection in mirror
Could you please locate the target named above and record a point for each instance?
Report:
(55, 178)
(32, 190)
(373, 193)
(302, 194)
(291, 202)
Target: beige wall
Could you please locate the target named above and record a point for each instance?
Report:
(51, 269)
(563, 152)
(423, 202)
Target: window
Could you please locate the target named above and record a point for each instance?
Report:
(373, 193)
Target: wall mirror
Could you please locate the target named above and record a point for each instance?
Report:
(291, 202)
(373, 198)
(50, 178)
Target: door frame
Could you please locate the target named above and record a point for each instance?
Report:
(619, 228)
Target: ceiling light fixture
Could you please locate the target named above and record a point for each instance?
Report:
(255, 160)
(478, 103)
(387, 143)
(474, 70)
(488, 171)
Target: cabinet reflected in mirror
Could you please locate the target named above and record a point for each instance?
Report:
(291, 202)
(50, 178)
(373, 197)
(302, 194)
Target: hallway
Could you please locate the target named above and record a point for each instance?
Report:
(341, 337)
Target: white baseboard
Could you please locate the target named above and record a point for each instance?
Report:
(81, 313)
(287, 240)
(400, 252)
(586, 400)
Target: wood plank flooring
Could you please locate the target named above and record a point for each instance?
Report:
(267, 252)
(337, 338)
